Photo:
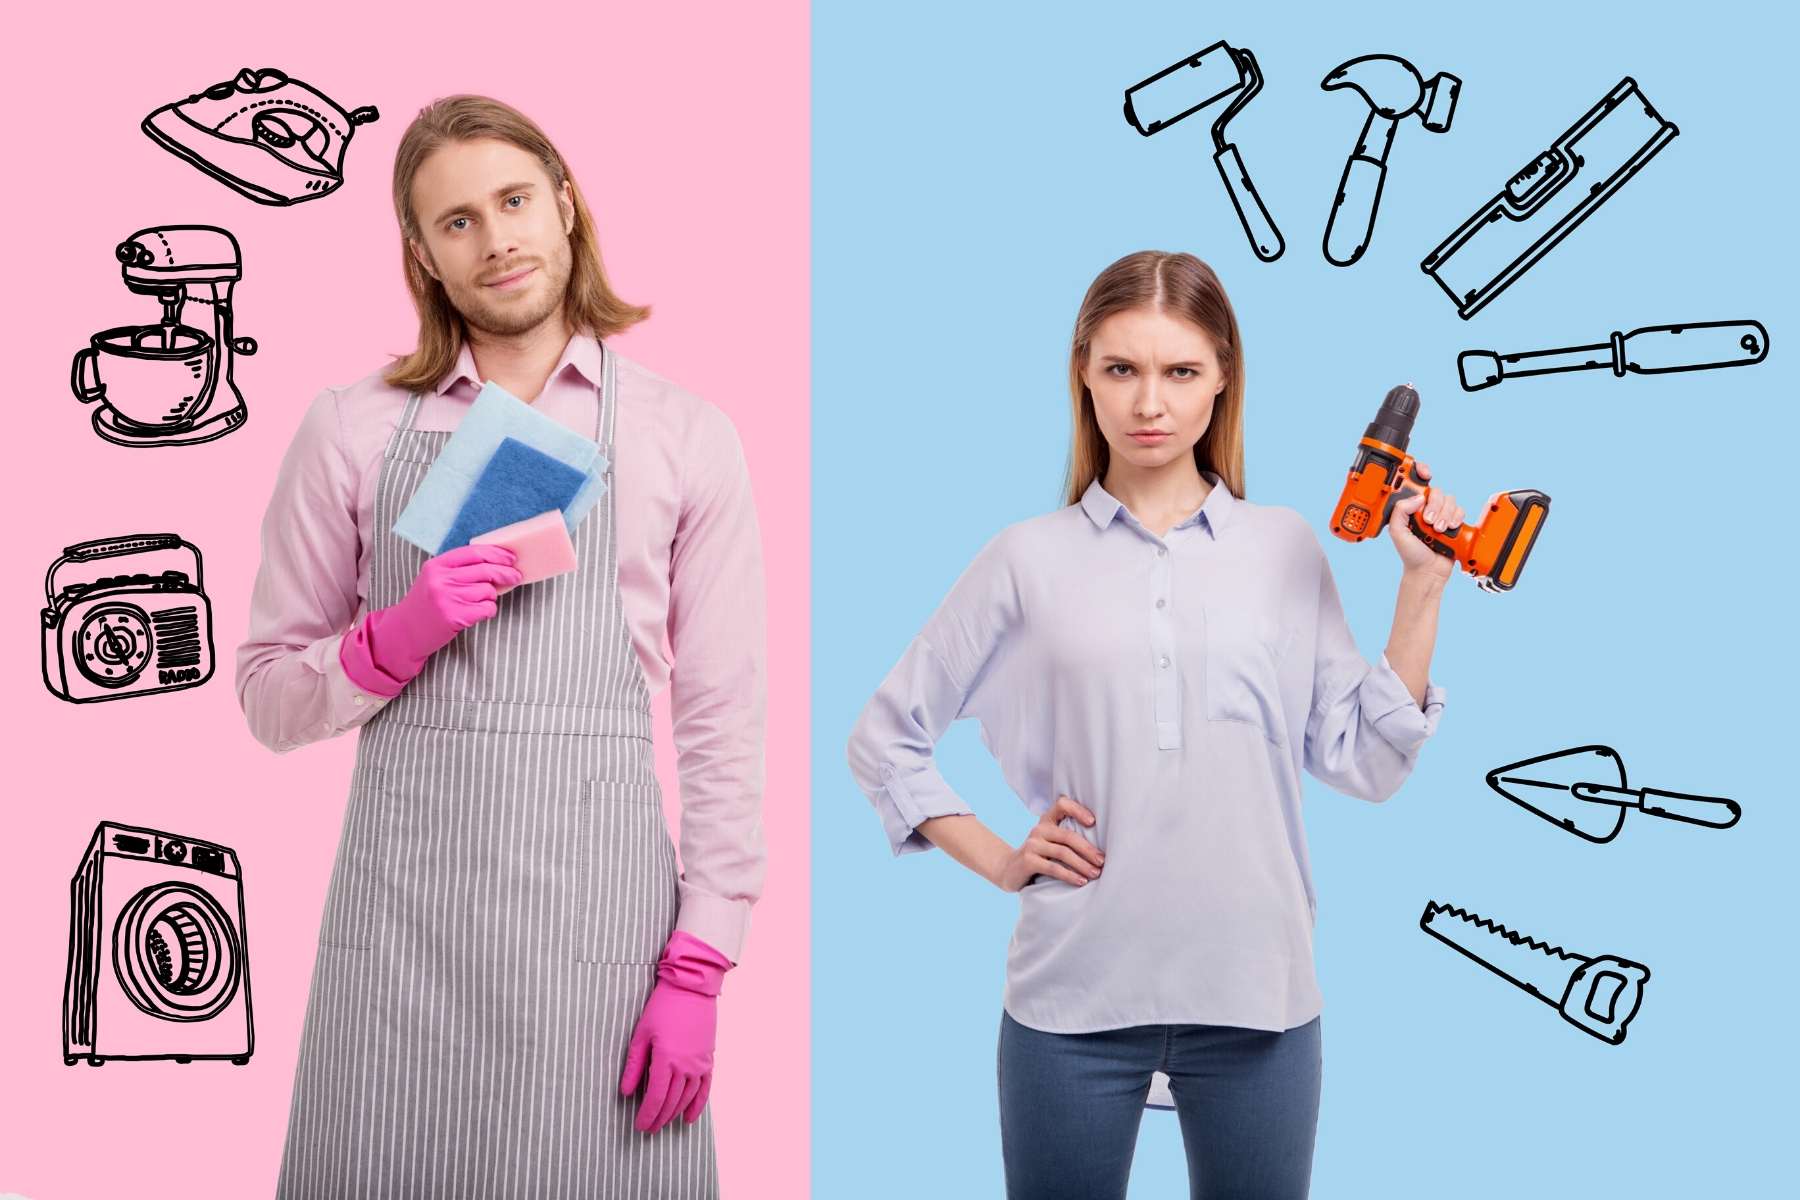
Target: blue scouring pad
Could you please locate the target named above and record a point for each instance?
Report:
(518, 482)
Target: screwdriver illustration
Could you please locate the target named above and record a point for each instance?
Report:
(1653, 350)
(1599, 994)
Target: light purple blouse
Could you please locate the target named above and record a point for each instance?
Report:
(1176, 686)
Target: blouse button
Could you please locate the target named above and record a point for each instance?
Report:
(1164, 661)
(1161, 551)
(1160, 602)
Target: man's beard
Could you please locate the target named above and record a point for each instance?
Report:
(481, 312)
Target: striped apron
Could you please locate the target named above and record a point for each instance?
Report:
(503, 887)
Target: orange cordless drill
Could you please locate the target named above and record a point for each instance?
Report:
(1493, 550)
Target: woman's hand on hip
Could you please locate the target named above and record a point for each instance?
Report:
(1441, 512)
(1054, 851)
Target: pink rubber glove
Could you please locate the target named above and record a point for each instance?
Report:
(451, 592)
(675, 1034)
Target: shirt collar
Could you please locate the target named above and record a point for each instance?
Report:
(1102, 506)
(582, 353)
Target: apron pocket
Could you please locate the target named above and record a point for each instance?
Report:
(354, 901)
(1243, 659)
(625, 876)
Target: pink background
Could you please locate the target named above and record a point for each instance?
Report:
(688, 133)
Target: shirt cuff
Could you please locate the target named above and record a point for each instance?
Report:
(1390, 707)
(347, 703)
(906, 803)
(720, 923)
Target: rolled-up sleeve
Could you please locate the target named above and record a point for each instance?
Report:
(892, 746)
(1364, 731)
(717, 686)
(290, 683)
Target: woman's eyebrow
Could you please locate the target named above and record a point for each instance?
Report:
(1193, 364)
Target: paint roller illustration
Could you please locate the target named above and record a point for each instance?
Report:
(1183, 89)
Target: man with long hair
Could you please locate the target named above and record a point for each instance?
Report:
(514, 991)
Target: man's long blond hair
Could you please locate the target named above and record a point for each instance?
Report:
(590, 304)
(1186, 287)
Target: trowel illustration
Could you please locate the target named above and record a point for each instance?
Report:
(1583, 790)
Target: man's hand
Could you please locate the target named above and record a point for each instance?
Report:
(672, 1045)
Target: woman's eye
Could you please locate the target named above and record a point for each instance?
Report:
(1119, 370)
(1183, 372)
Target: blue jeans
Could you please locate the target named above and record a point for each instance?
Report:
(1248, 1101)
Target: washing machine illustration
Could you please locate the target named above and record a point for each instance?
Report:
(158, 962)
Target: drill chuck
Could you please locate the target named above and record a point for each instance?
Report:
(1394, 422)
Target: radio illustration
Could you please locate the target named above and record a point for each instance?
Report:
(132, 633)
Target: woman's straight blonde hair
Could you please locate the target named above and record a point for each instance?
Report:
(590, 304)
(1186, 287)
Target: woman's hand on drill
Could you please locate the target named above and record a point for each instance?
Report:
(1441, 513)
(452, 591)
(1054, 851)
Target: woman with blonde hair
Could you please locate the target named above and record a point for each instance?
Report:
(1153, 666)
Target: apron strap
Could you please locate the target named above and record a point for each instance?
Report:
(605, 415)
(404, 424)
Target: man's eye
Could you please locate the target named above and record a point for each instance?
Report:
(520, 197)
(454, 220)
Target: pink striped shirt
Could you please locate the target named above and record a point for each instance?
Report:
(690, 578)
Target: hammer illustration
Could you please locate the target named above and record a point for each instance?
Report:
(1394, 90)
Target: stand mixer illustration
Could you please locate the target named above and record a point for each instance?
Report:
(168, 384)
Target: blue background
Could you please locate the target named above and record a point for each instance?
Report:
(972, 173)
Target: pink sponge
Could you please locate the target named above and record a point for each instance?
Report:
(541, 543)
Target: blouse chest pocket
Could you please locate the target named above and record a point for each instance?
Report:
(1244, 648)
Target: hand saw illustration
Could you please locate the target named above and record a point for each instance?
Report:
(1599, 994)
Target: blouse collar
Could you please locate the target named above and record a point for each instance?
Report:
(1102, 506)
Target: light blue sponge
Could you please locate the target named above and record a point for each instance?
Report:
(496, 416)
